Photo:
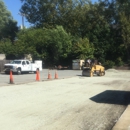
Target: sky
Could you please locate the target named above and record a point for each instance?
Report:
(14, 6)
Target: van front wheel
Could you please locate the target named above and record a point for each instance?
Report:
(19, 71)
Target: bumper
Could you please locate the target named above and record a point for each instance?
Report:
(7, 70)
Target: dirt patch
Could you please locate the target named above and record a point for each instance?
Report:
(124, 67)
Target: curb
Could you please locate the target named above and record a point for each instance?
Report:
(124, 121)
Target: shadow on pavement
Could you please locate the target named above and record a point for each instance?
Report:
(112, 97)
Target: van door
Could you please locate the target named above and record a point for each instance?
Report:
(24, 66)
(28, 65)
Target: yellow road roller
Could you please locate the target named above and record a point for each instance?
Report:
(92, 68)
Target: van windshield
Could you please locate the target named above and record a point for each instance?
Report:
(15, 62)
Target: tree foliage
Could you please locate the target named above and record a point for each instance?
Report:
(75, 29)
(83, 49)
(58, 43)
(47, 44)
(125, 31)
(8, 27)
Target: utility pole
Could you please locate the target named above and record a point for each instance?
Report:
(23, 15)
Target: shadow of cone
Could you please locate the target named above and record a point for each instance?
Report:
(56, 75)
(37, 76)
(49, 75)
(11, 78)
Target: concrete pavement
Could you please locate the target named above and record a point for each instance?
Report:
(124, 121)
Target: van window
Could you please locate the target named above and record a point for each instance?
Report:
(27, 62)
(23, 63)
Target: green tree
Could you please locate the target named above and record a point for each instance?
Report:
(6, 47)
(8, 27)
(100, 23)
(98, 30)
(32, 41)
(83, 49)
(45, 13)
(125, 31)
(117, 14)
(58, 43)
(47, 44)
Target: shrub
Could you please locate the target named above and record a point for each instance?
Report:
(119, 61)
(109, 64)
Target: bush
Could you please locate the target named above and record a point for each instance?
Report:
(129, 62)
(109, 64)
(119, 61)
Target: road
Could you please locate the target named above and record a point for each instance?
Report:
(31, 77)
(75, 103)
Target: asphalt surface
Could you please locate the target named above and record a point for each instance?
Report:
(72, 102)
(31, 77)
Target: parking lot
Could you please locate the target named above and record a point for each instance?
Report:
(72, 102)
(31, 77)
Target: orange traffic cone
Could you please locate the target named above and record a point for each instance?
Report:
(11, 78)
(49, 75)
(56, 75)
(37, 76)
